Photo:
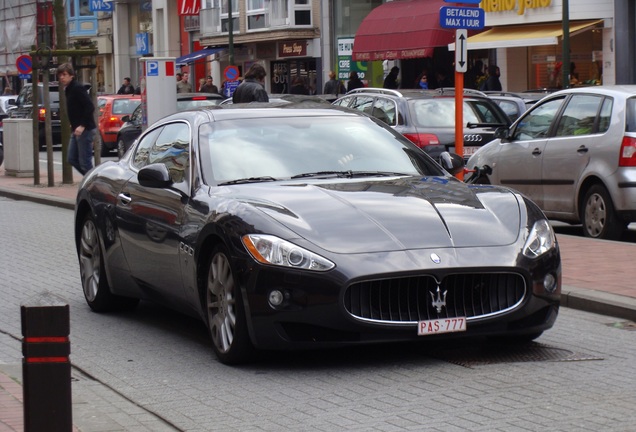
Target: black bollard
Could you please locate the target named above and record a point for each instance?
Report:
(46, 368)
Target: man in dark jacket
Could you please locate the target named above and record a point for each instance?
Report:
(80, 110)
(252, 89)
(126, 87)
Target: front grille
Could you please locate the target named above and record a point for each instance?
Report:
(413, 299)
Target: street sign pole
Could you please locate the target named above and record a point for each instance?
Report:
(461, 66)
(461, 19)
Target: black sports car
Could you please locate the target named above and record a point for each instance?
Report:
(307, 227)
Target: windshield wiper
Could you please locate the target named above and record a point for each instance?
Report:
(350, 174)
(378, 174)
(324, 173)
(249, 180)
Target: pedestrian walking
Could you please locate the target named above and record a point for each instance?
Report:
(334, 86)
(126, 87)
(252, 88)
(391, 80)
(80, 110)
(208, 86)
(354, 81)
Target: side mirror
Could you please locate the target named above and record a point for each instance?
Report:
(502, 133)
(12, 102)
(451, 162)
(154, 176)
(125, 118)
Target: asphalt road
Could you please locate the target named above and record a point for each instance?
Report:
(578, 377)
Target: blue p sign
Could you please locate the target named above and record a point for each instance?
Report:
(152, 68)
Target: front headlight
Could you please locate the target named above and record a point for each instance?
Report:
(540, 240)
(268, 249)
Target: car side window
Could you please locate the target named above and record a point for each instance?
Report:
(344, 102)
(362, 103)
(510, 108)
(384, 109)
(172, 148)
(536, 123)
(605, 117)
(579, 115)
(140, 159)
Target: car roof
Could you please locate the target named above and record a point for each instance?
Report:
(119, 96)
(189, 96)
(417, 93)
(625, 90)
(265, 109)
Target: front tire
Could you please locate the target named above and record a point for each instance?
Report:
(225, 314)
(94, 281)
(599, 217)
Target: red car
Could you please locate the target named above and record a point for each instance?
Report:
(111, 109)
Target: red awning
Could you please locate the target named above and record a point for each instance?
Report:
(401, 30)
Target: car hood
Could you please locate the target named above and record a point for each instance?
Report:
(389, 215)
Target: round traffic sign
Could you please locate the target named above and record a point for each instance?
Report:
(24, 65)
(231, 73)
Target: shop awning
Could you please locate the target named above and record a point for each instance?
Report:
(401, 30)
(525, 35)
(196, 55)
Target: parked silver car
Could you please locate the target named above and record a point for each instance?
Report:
(574, 154)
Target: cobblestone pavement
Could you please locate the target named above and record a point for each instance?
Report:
(162, 375)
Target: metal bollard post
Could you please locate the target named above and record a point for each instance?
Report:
(46, 368)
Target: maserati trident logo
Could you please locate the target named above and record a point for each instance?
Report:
(435, 258)
(439, 302)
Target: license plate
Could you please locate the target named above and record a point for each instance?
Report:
(468, 151)
(443, 325)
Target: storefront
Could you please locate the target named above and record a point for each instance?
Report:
(408, 34)
(527, 38)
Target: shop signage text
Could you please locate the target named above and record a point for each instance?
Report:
(462, 18)
(510, 5)
(292, 49)
(189, 7)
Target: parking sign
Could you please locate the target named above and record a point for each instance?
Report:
(152, 68)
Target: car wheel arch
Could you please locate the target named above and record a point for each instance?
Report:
(584, 187)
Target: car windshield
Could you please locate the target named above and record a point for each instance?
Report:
(125, 106)
(321, 146)
(440, 112)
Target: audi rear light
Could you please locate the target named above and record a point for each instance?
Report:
(422, 139)
(628, 152)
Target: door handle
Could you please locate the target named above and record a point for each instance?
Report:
(124, 198)
(536, 152)
(582, 149)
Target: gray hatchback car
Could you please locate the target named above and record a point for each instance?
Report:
(574, 154)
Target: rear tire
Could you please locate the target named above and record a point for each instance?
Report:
(598, 216)
(93, 274)
(225, 313)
